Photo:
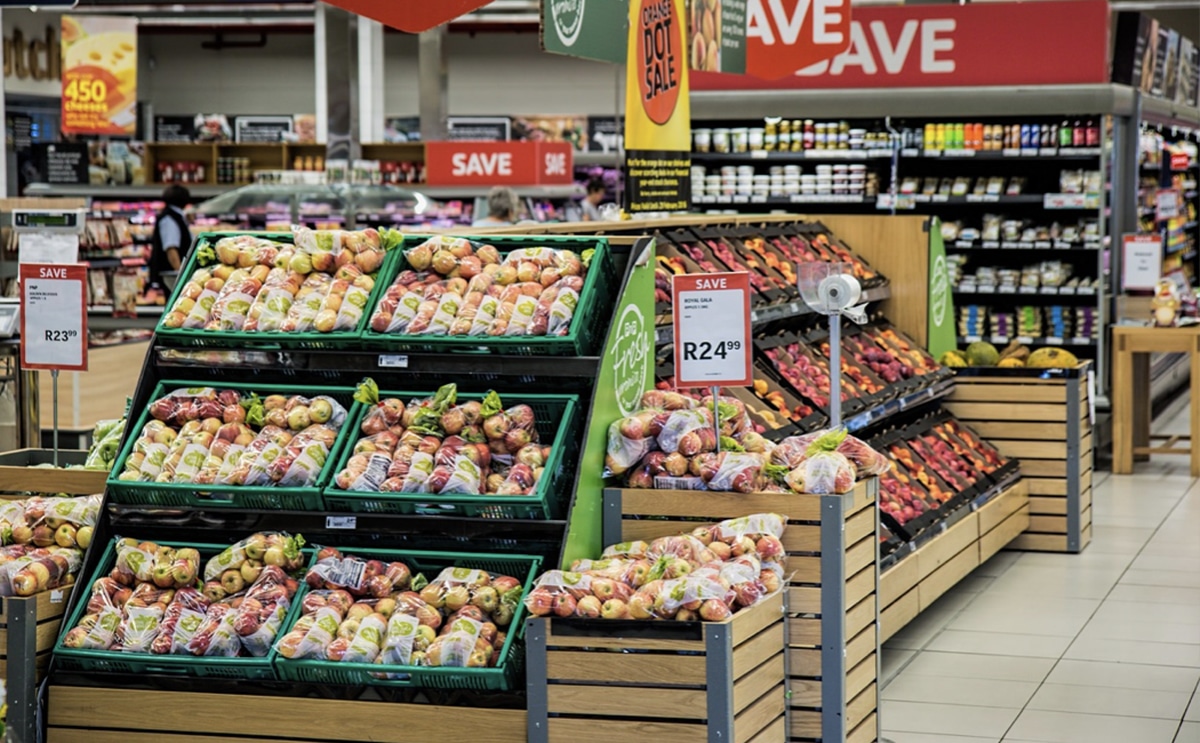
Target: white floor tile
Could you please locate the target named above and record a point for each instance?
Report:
(997, 564)
(911, 687)
(1145, 631)
(974, 666)
(1162, 562)
(1046, 726)
(1046, 622)
(1094, 700)
(1086, 559)
(1155, 594)
(948, 719)
(1193, 710)
(1189, 732)
(1127, 651)
(1068, 582)
(1001, 643)
(892, 660)
(1172, 578)
(1115, 611)
(903, 737)
(917, 633)
(1123, 675)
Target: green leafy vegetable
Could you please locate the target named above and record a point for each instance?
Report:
(728, 443)
(205, 254)
(828, 441)
(367, 392)
(491, 405)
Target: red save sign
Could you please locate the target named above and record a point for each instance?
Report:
(54, 316)
(498, 163)
(413, 16)
(711, 315)
(933, 45)
(783, 36)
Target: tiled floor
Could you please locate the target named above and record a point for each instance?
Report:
(1102, 647)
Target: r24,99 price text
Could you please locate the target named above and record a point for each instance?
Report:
(706, 351)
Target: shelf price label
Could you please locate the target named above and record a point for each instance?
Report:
(54, 316)
(712, 330)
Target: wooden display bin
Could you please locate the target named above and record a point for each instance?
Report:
(120, 715)
(832, 543)
(18, 476)
(684, 681)
(28, 628)
(911, 585)
(1041, 417)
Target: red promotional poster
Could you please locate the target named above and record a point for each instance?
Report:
(412, 16)
(788, 35)
(498, 163)
(934, 46)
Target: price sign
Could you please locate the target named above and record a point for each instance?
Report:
(1166, 205)
(54, 316)
(1141, 261)
(712, 329)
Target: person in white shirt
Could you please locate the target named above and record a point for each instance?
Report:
(503, 207)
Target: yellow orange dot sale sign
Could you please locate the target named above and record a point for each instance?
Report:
(99, 75)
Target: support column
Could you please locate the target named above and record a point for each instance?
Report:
(341, 84)
(371, 94)
(433, 77)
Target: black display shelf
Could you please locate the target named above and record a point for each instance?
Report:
(913, 400)
(1040, 295)
(813, 199)
(1026, 153)
(1077, 245)
(777, 156)
(1029, 341)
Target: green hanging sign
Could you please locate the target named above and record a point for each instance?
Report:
(942, 333)
(626, 372)
(590, 29)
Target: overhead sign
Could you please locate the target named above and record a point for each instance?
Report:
(413, 16)
(783, 36)
(712, 330)
(99, 75)
(928, 45)
(1141, 261)
(585, 28)
(498, 163)
(54, 316)
(657, 111)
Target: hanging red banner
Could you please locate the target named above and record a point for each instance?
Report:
(413, 16)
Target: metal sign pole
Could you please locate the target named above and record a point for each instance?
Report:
(54, 381)
(716, 417)
(835, 369)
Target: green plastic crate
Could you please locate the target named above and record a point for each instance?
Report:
(500, 677)
(311, 340)
(558, 413)
(115, 661)
(228, 496)
(586, 329)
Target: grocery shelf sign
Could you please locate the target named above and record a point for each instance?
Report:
(717, 32)
(657, 110)
(585, 28)
(54, 316)
(920, 45)
(99, 75)
(712, 330)
(412, 16)
(499, 163)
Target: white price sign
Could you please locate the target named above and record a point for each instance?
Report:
(1141, 261)
(54, 316)
(712, 330)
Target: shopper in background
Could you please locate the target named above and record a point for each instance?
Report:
(172, 237)
(503, 207)
(591, 202)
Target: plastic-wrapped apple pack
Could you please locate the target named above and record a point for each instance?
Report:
(824, 469)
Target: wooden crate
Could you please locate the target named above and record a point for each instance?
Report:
(675, 682)
(1041, 417)
(911, 585)
(19, 476)
(121, 715)
(28, 628)
(833, 555)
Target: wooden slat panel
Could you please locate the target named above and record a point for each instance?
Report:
(633, 668)
(804, 693)
(944, 578)
(865, 732)
(860, 647)
(1048, 506)
(860, 555)
(1021, 449)
(801, 538)
(619, 643)
(998, 538)
(753, 685)
(1046, 486)
(804, 662)
(53, 481)
(751, 654)
(970, 411)
(803, 569)
(860, 525)
(901, 611)
(651, 530)
(944, 547)
(50, 604)
(1020, 393)
(1043, 467)
(860, 585)
(1085, 500)
(773, 733)
(748, 623)
(1048, 524)
(859, 707)
(717, 506)
(77, 735)
(749, 722)
(47, 633)
(1001, 507)
(860, 676)
(1040, 542)
(805, 600)
(805, 724)
(1085, 536)
(1018, 430)
(621, 701)
(860, 616)
(253, 716)
(573, 730)
(898, 579)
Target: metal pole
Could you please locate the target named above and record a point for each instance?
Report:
(54, 385)
(835, 370)
(716, 391)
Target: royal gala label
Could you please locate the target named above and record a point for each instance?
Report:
(498, 163)
(99, 75)
(660, 58)
(922, 46)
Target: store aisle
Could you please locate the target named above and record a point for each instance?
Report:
(1102, 647)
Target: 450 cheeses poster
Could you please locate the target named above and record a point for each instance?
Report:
(657, 112)
(99, 75)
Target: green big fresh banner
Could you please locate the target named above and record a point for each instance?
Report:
(590, 29)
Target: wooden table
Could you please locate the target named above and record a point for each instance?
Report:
(1130, 419)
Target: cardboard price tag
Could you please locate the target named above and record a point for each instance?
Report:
(712, 330)
(54, 316)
